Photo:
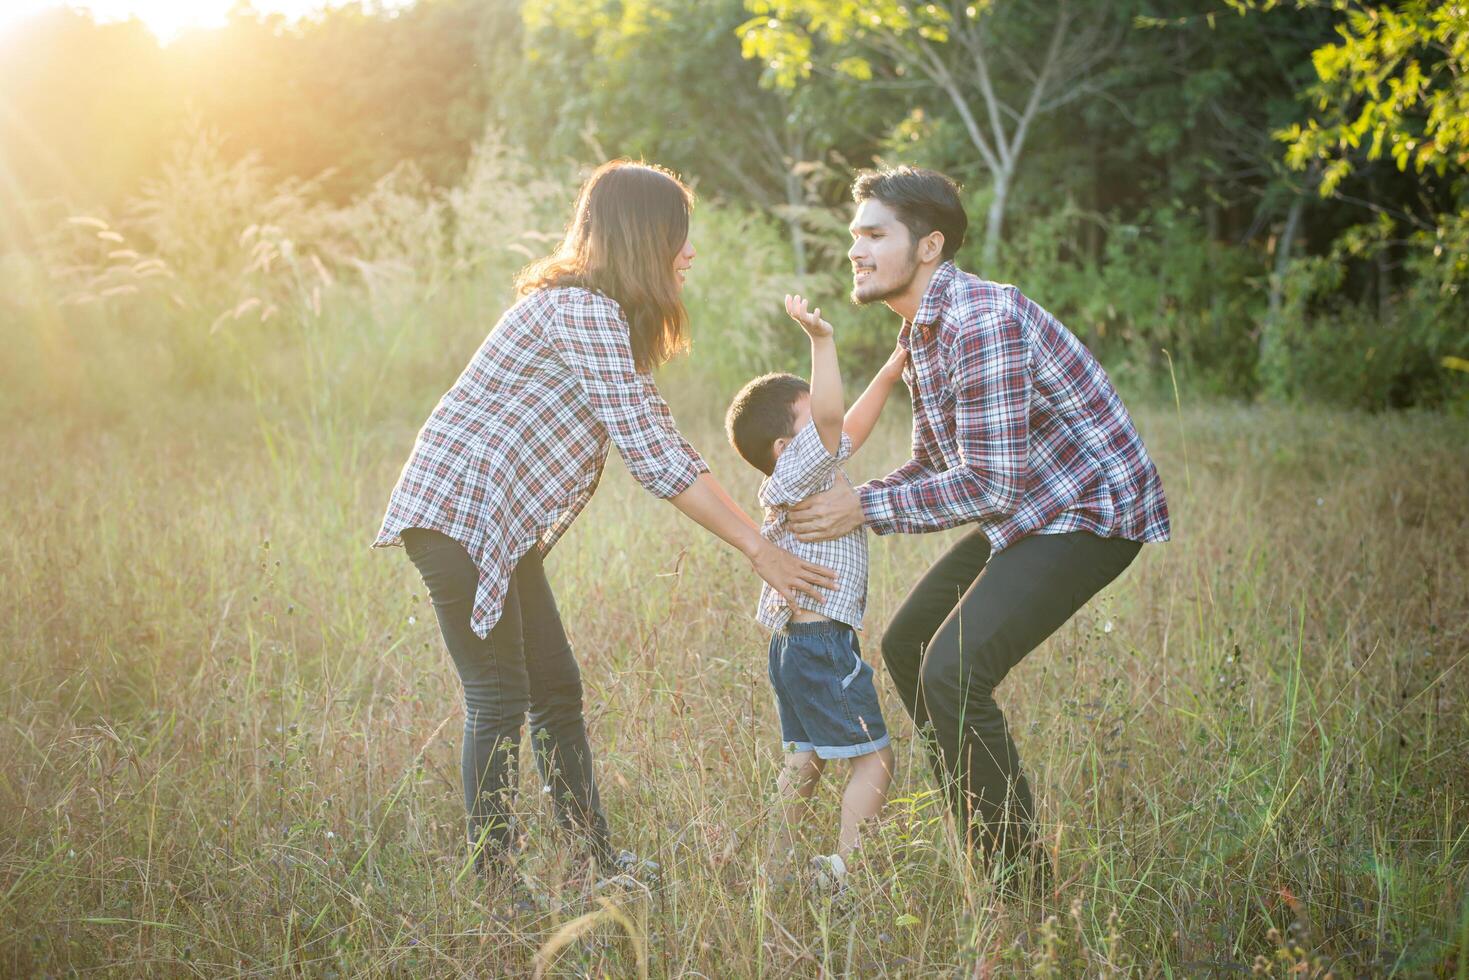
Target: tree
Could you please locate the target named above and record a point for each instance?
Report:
(649, 78)
(1000, 66)
(1396, 81)
(65, 137)
(350, 90)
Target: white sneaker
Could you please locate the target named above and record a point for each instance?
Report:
(829, 873)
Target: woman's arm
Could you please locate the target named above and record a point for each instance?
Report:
(711, 508)
(590, 335)
(728, 501)
(862, 416)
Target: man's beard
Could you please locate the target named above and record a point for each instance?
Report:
(897, 290)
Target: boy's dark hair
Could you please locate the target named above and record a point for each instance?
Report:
(761, 413)
(924, 200)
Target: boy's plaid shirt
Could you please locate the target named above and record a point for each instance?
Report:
(805, 467)
(1016, 427)
(515, 449)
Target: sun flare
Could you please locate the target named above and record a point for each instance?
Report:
(167, 19)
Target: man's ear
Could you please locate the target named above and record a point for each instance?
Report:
(931, 246)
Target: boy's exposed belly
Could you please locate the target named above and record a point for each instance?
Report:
(807, 616)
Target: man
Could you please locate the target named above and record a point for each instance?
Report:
(1016, 431)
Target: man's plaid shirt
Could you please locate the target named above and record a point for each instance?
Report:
(805, 467)
(515, 449)
(1015, 427)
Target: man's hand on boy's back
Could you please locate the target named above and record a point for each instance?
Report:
(810, 320)
(826, 515)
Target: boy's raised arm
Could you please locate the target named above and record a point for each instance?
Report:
(826, 375)
(863, 415)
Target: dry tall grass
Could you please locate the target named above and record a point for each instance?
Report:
(231, 732)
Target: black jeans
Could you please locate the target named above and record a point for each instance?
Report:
(967, 622)
(525, 664)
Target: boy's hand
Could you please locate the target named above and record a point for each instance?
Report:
(810, 321)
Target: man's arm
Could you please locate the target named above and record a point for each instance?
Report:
(864, 413)
(921, 464)
(992, 380)
(826, 374)
(991, 372)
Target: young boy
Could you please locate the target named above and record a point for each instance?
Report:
(796, 435)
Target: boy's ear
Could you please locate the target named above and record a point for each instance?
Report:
(778, 446)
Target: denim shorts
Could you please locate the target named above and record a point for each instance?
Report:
(824, 691)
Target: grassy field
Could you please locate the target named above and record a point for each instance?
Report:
(230, 732)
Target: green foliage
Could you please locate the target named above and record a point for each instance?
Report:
(1393, 84)
(771, 149)
(741, 271)
(1396, 81)
(734, 299)
(680, 66)
(782, 33)
(219, 265)
(254, 176)
(1158, 285)
(1389, 356)
(347, 95)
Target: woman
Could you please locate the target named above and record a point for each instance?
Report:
(512, 454)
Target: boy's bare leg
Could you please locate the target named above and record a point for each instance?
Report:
(799, 775)
(863, 799)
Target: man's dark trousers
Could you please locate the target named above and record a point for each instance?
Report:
(964, 625)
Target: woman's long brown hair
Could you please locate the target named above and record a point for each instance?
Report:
(630, 222)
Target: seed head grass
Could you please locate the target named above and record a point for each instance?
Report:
(231, 732)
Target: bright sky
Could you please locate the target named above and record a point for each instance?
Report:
(166, 18)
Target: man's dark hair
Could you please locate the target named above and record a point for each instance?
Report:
(924, 200)
(761, 413)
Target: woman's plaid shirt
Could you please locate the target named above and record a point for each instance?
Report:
(515, 449)
(1016, 427)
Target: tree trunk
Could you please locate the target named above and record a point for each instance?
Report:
(994, 223)
(1269, 333)
(796, 200)
(1383, 262)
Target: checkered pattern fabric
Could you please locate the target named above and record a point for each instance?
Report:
(803, 468)
(1016, 427)
(516, 447)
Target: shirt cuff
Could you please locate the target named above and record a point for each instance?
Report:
(674, 480)
(878, 508)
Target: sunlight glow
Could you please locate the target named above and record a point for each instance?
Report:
(167, 19)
